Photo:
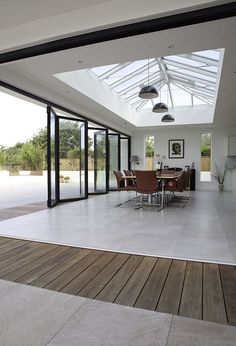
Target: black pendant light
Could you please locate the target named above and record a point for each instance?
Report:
(160, 108)
(167, 118)
(148, 91)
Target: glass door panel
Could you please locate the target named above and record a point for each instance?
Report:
(114, 159)
(124, 154)
(70, 165)
(97, 160)
(52, 158)
(83, 161)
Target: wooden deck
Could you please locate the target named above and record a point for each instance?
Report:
(9, 213)
(191, 289)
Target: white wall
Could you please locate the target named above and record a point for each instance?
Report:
(191, 136)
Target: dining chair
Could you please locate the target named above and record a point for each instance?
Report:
(129, 173)
(122, 182)
(146, 184)
(177, 184)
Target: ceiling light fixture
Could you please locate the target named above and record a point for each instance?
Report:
(148, 91)
(160, 107)
(167, 118)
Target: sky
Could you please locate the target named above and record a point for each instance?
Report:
(19, 119)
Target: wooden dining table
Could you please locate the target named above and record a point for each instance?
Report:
(163, 176)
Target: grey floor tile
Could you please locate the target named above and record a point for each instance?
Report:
(31, 316)
(190, 332)
(202, 230)
(105, 324)
(7, 287)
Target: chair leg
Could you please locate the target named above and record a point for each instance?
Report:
(140, 204)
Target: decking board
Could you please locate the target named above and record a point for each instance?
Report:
(191, 289)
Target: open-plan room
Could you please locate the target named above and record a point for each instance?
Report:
(118, 173)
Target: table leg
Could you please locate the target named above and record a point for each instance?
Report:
(162, 194)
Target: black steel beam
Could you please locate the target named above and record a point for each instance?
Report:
(158, 24)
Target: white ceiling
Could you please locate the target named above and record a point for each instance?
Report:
(27, 11)
(36, 74)
(29, 21)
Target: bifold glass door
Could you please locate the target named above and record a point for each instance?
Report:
(66, 159)
(97, 161)
(52, 160)
(114, 158)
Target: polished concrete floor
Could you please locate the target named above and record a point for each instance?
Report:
(33, 316)
(202, 229)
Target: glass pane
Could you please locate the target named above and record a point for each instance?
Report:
(82, 159)
(205, 145)
(149, 152)
(184, 60)
(102, 69)
(124, 154)
(211, 54)
(70, 159)
(96, 161)
(52, 159)
(197, 101)
(113, 159)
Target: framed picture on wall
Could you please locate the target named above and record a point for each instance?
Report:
(176, 148)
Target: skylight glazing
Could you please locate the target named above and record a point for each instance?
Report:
(182, 80)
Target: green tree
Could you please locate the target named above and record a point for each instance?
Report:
(69, 137)
(206, 144)
(13, 154)
(2, 155)
(32, 156)
(40, 138)
(149, 146)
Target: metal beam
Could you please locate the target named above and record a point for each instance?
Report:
(113, 70)
(205, 91)
(190, 68)
(133, 74)
(142, 104)
(167, 79)
(190, 90)
(191, 78)
(192, 93)
(207, 61)
(194, 86)
(178, 20)
(154, 78)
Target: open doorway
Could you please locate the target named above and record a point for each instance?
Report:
(23, 146)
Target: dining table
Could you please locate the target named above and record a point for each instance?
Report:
(162, 176)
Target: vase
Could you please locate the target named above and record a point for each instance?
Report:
(221, 187)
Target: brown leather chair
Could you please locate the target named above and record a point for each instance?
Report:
(187, 179)
(129, 173)
(146, 184)
(176, 185)
(121, 182)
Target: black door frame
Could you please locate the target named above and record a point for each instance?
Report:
(57, 161)
(52, 203)
(107, 160)
(118, 157)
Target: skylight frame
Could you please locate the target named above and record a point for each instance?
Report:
(195, 73)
